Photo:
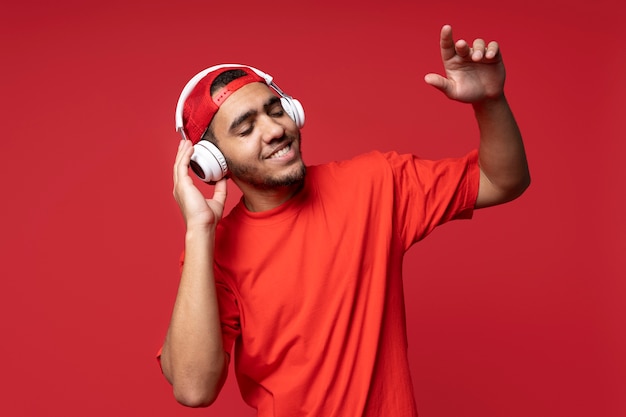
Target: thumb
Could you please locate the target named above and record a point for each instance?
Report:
(438, 82)
(220, 191)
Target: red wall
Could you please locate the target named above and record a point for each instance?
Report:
(518, 312)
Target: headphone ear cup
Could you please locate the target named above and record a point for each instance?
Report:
(207, 162)
(294, 109)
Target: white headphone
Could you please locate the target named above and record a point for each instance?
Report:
(207, 160)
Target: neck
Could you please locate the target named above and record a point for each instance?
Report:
(256, 199)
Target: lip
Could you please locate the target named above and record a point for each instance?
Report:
(284, 145)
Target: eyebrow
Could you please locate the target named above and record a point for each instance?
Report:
(242, 118)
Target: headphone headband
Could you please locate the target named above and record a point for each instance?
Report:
(209, 107)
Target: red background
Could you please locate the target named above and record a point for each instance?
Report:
(518, 312)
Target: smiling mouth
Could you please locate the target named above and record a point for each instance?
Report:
(280, 152)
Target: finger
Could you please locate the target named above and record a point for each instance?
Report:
(181, 165)
(179, 153)
(220, 192)
(186, 151)
(462, 48)
(177, 159)
(446, 42)
(492, 50)
(478, 49)
(437, 81)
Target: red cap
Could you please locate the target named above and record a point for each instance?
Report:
(200, 107)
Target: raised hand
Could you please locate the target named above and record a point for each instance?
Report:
(473, 74)
(196, 210)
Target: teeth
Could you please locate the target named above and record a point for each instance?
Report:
(281, 152)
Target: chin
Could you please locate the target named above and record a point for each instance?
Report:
(296, 176)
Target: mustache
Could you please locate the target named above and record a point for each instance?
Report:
(287, 137)
(280, 142)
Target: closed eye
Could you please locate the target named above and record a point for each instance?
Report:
(274, 107)
(246, 130)
(277, 112)
(244, 124)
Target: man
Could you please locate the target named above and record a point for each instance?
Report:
(303, 279)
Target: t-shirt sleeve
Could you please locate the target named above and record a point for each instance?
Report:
(229, 312)
(428, 193)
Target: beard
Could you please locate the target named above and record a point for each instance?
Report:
(253, 175)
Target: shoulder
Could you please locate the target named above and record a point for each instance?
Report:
(364, 164)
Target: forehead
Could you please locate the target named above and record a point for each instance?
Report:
(249, 98)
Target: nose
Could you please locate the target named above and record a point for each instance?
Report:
(271, 129)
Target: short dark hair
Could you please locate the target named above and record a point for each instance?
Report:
(226, 78)
(221, 81)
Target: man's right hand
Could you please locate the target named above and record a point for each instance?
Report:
(196, 210)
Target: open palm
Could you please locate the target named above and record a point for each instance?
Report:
(473, 73)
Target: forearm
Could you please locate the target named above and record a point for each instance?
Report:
(193, 358)
(502, 158)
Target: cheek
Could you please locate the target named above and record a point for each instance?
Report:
(242, 153)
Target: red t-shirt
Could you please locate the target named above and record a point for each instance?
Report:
(310, 293)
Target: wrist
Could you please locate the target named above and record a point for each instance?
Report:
(490, 104)
(199, 231)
